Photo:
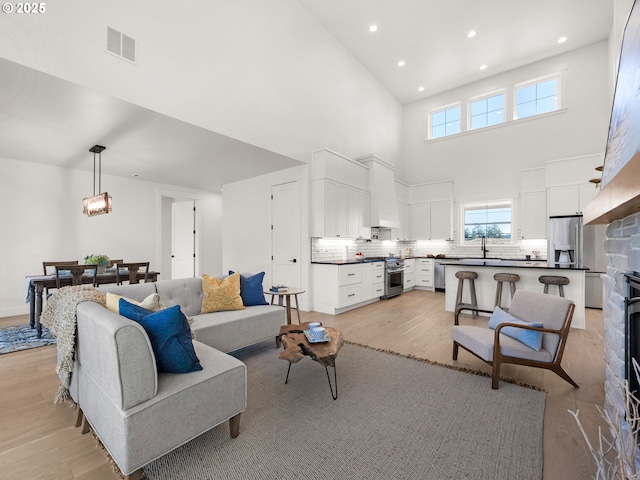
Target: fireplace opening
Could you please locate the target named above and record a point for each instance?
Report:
(632, 330)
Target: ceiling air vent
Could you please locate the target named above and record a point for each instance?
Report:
(121, 45)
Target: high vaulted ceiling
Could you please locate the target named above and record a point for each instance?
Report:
(430, 36)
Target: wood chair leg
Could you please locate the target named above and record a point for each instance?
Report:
(474, 299)
(558, 370)
(137, 475)
(498, 295)
(234, 426)
(79, 416)
(495, 374)
(85, 424)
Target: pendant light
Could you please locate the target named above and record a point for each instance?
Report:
(100, 203)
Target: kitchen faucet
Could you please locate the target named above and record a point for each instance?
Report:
(484, 247)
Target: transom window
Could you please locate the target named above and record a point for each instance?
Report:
(486, 111)
(445, 122)
(491, 220)
(537, 98)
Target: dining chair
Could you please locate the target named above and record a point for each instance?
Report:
(113, 263)
(48, 271)
(77, 272)
(132, 268)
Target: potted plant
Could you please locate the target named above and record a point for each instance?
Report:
(97, 259)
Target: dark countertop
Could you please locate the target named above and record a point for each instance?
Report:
(351, 261)
(445, 261)
(508, 263)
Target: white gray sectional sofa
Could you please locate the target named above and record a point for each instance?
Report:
(140, 414)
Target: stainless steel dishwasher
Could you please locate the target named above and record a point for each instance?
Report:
(439, 275)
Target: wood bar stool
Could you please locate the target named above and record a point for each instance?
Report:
(512, 278)
(554, 280)
(471, 276)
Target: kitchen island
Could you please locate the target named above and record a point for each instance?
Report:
(528, 272)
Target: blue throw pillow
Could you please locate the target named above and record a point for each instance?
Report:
(251, 289)
(169, 334)
(531, 338)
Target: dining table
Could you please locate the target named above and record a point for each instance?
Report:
(37, 283)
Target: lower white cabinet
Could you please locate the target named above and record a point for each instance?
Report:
(372, 280)
(337, 288)
(425, 273)
(377, 280)
(409, 273)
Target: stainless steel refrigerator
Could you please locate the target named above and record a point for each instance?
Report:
(574, 245)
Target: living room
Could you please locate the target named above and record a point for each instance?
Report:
(272, 78)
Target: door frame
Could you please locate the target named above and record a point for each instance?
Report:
(162, 237)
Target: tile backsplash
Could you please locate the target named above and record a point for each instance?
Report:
(331, 249)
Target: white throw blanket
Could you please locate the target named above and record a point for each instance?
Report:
(59, 316)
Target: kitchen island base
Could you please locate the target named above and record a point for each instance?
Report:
(486, 286)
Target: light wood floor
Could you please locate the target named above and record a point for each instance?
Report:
(38, 441)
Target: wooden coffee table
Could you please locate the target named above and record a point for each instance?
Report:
(296, 347)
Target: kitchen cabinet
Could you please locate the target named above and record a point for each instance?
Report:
(372, 280)
(432, 220)
(420, 221)
(425, 274)
(409, 273)
(359, 214)
(402, 232)
(569, 199)
(338, 288)
(533, 215)
(442, 220)
(339, 210)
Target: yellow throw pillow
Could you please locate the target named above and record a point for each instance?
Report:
(220, 295)
(152, 302)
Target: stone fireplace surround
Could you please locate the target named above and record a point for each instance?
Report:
(623, 256)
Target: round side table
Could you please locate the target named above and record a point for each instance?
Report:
(284, 299)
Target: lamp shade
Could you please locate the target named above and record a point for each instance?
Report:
(97, 205)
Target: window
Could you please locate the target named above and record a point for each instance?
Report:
(490, 220)
(486, 111)
(445, 122)
(537, 98)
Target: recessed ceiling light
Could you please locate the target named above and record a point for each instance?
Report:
(401, 63)
(483, 67)
(421, 89)
(471, 34)
(562, 39)
(373, 28)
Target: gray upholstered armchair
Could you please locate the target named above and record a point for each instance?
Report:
(495, 348)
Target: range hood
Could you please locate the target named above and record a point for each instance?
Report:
(384, 204)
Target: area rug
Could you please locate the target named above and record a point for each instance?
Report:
(395, 417)
(23, 337)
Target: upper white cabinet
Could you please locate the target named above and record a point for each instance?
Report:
(569, 199)
(420, 214)
(432, 220)
(359, 217)
(441, 220)
(339, 210)
(403, 232)
(340, 197)
(533, 215)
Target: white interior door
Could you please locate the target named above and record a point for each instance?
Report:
(285, 234)
(183, 239)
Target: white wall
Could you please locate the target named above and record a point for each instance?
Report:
(260, 71)
(247, 224)
(485, 164)
(42, 219)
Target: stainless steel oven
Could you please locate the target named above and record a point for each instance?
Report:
(394, 277)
